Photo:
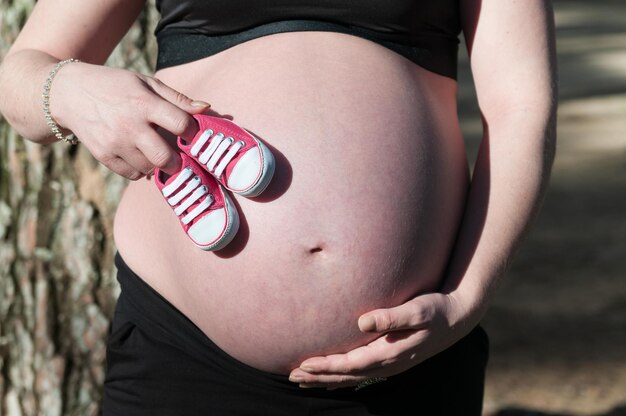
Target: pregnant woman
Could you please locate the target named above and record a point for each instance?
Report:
(358, 278)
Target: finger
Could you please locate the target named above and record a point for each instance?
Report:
(177, 98)
(137, 160)
(382, 353)
(326, 380)
(353, 362)
(122, 168)
(415, 314)
(299, 376)
(336, 381)
(178, 122)
(158, 153)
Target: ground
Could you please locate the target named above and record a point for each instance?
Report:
(558, 323)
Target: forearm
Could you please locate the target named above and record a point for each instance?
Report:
(88, 33)
(508, 185)
(22, 76)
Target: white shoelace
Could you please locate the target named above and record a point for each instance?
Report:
(218, 146)
(194, 187)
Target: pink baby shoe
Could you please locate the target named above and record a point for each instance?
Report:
(237, 159)
(205, 211)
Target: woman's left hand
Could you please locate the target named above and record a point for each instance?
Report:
(409, 334)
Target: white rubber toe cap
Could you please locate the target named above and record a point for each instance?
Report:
(209, 228)
(246, 172)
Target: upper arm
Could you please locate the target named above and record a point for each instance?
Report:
(512, 53)
(86, 30)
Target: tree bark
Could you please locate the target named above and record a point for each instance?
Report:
(57, 277)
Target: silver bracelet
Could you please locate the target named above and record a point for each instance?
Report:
(368, 382)
(71, 139)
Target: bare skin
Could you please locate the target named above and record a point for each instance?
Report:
(385, 135)
(362, 215)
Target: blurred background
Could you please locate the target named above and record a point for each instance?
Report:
(557, 325)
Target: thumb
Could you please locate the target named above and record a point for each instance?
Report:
(413, 314)
(376, 321)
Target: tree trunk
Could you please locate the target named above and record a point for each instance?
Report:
(57, 277)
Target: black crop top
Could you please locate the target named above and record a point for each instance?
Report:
(424, 31)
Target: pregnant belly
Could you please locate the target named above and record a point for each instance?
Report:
(362, 212)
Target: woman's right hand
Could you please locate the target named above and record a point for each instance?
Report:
(116, 114)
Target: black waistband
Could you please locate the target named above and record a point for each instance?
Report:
(180, 46)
